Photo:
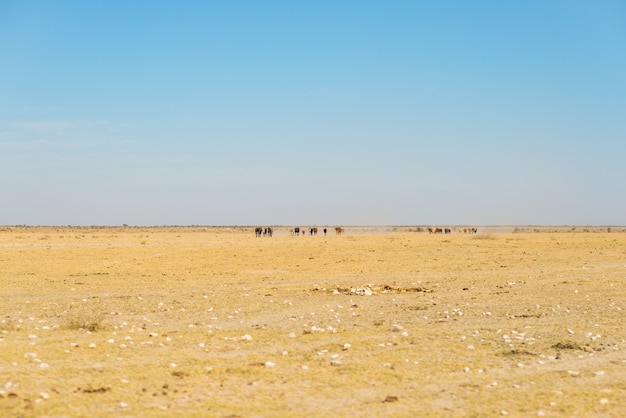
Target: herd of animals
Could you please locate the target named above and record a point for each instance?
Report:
(449, 231)
(268, 231)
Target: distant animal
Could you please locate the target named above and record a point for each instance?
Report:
(447, 230)
(258, 231)
(268, 232)
(325, 230)
(314, 231)
(338, 230)
(296, 231)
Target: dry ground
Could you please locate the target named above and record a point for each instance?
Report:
(216, 322)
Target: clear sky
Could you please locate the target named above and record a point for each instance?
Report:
(312, 112)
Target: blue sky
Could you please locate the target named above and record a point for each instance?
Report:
(320, 112)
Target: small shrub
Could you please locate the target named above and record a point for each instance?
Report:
(567, 346)
(515, 353)
(87, 321)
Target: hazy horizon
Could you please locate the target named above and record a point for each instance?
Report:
(306, 227)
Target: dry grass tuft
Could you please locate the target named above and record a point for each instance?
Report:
(85, 320)
(567, 346)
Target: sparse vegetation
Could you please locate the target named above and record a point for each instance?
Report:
(85, 321)
(213, 321)
(567, 346)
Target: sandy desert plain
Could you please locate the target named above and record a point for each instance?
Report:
(212, 321)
